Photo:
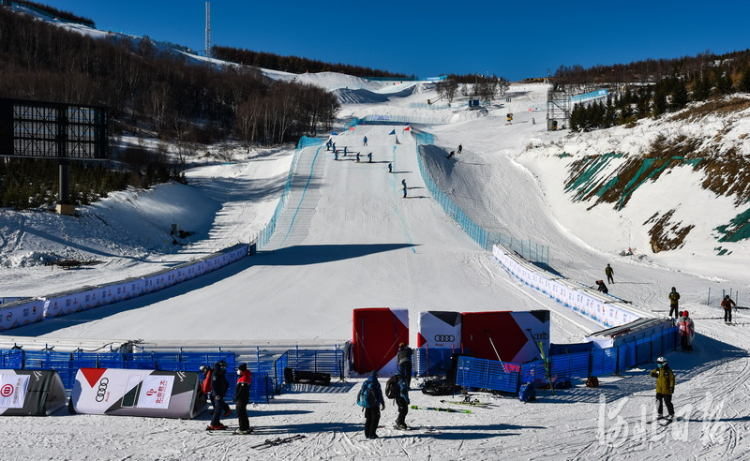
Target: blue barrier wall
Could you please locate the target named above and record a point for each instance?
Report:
(507, 377)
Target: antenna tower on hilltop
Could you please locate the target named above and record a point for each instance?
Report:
(208, 29)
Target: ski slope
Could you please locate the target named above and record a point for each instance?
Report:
(348, 239)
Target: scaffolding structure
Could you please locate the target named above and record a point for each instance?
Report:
(558, 106)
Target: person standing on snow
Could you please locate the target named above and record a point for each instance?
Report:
(219, 387)
(364, 141)
(727, 304)
(403, 359)
(460, 148)
(390, 167)
(402, 400)
(370, 397)
(664, 386)
(357, 157)
(242, 397)
(369, 157)
(674, 302)
(602, 287)
(610, 273)
(687, 332)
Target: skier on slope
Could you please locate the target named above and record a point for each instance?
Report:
(460, 148)
(403, 359)
(687, 332)
(364, 141)
(674, 302)
(609, 272)
(664, 387)
(602, 287)
(727, 304)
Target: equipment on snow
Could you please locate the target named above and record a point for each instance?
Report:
(277, 441)
(206, 385)
(448, 410)
(527, 393)
(592, 381)
(439, 387)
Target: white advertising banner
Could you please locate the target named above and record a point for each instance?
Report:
(12, 390)
(155, 392)
(20, 313)
(581, 299)
(125, 392)
(439, 329)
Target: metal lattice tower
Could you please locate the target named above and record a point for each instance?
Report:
(208, 29)
(558, 106)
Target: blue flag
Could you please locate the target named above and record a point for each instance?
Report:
(393, 132)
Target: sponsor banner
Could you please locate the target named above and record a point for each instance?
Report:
(12, 390)
(439, 329)
(506, 336)
(20, 313)
(157, 393)
(377, 332)
(30, 392)
(64, 303)
(581, 299)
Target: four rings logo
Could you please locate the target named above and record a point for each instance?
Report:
(102, 391)
(444, 338)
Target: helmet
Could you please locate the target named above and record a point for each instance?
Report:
(374, 373)
(242, 366)
(661, 360)
(674, 289)
(203, 369)
(684, 313)
(726, 296)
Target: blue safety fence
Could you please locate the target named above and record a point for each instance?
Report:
(11, 359)
(502, 376)
(267, 372)
(331, 361)
(265, 235)
(487, 374)
(434, 361)
(528, 249)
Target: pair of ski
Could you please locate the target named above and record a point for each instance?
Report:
(663, 420)
(448, 410)
(473, 403)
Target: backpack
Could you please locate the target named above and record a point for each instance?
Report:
(366, 397)
(391, 387)
(593, 381)
(206, 385)
(527, 393)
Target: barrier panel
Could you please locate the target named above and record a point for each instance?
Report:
(331, 362)
(22, 312)
(487, 374)
(30, 393)
(478, 373)
(123, 392)
(433, 361)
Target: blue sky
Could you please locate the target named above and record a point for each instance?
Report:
(515, 39)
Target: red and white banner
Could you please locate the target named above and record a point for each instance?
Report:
(377, 333)
(12, 389)
(506, 336)
(123, 392)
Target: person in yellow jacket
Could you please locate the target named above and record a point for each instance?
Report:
(664, 387)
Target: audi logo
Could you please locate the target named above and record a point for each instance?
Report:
(444, 338)
(102, 391)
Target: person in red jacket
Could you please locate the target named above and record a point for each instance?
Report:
(242, 397)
